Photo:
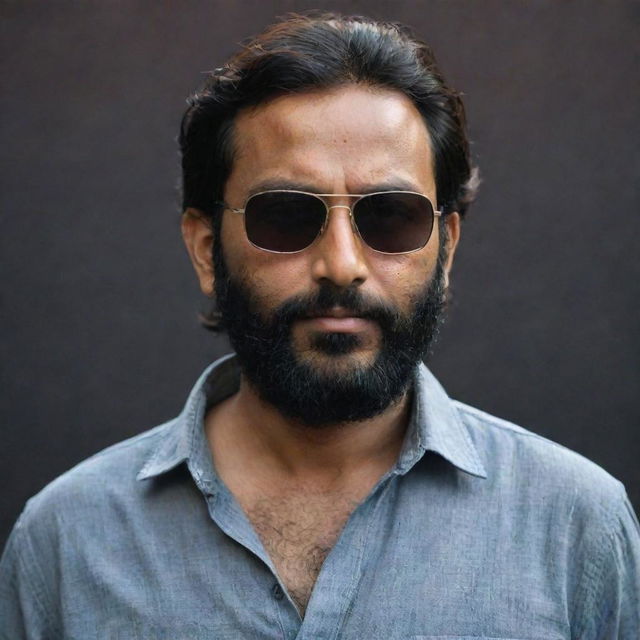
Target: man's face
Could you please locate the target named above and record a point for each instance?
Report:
(336, 313)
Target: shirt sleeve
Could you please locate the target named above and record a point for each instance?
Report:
(612, 606)
(23, 594)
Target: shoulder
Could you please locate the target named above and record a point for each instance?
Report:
(106, 476)
(578, 514)
(517, 457)
(555, 490)
(65, 525)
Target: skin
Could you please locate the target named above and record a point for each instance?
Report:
(299, 485)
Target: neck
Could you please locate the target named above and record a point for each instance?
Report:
(244, 430)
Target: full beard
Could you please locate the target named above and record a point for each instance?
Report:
(316, 395)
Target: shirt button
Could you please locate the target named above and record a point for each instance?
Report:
(277, 591)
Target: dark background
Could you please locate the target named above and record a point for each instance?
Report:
(99, 336)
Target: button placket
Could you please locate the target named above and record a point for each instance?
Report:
(277, 592)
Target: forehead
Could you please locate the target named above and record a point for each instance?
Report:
(346, 138)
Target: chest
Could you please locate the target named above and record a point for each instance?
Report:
(298, 530)
(425, 564)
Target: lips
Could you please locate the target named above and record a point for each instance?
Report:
(337, 320)
(335, 312)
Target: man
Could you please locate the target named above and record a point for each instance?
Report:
(320, 483)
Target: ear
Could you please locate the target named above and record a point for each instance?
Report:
(452, 220)
(197, 234)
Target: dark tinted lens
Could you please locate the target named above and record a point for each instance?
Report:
(394, 222)
(283, 221)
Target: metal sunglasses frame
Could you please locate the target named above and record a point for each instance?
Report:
(328, 207)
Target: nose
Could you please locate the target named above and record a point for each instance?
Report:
(338, 255)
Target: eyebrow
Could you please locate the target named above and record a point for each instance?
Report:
(278, 184)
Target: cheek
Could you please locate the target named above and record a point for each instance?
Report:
(273, 278)
(403, 277)
(277, 279)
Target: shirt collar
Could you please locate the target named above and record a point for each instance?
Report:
(183, 439)
(434, 426)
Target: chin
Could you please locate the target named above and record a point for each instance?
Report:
(338, 352)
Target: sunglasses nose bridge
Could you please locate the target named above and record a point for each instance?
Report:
(349, 208)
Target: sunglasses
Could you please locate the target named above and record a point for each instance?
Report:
(286, 221)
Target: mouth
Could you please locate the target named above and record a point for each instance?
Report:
(334, 312)
(336, 320)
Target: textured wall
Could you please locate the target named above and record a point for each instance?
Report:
(99, 338)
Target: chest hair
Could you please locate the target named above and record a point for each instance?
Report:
(298, 530)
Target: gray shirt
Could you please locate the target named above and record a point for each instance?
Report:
(481, 530)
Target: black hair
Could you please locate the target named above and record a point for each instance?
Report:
(309, 52)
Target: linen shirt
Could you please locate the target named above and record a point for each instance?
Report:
(481, 530)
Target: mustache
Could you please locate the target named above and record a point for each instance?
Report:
(328, 297)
